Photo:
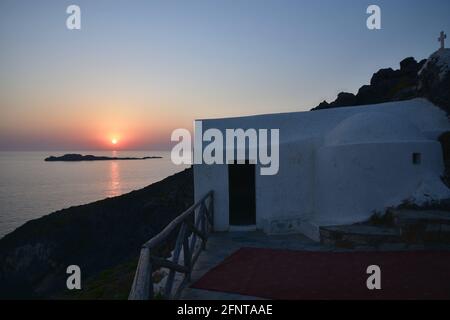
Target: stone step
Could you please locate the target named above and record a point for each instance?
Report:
(358, 235)
(427, 226)
(437, 233)
(409, 227)
(423, 217)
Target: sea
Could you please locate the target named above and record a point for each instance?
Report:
(31, 187)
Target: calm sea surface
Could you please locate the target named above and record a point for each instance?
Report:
(31, 187)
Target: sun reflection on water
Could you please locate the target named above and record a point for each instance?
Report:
(114, 184)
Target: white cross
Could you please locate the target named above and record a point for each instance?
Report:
(442, 38)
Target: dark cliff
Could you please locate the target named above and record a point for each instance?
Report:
(95, 236)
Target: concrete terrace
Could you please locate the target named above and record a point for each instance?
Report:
(222, 244)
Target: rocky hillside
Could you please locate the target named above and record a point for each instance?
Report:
(434, 79)
(96, 236)
(429, 78)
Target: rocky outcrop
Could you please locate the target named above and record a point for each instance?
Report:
(428, 78)
(435, 79)
(96, 236)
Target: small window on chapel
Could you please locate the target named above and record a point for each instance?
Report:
(416, 158)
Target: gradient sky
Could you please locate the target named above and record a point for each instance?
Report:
(139, 69)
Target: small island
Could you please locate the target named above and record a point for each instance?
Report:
(80, 157)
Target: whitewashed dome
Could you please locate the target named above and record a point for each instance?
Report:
(373, 127)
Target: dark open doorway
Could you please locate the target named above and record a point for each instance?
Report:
(241, 194)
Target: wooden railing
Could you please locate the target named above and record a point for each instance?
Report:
(194, 224)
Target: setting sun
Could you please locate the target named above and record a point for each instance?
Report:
(114, 141)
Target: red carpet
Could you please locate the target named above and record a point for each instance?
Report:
(284, 274)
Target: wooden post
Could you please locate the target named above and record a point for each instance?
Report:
(176, 256)
(203, 223)
(187, 257)
(142, 288)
